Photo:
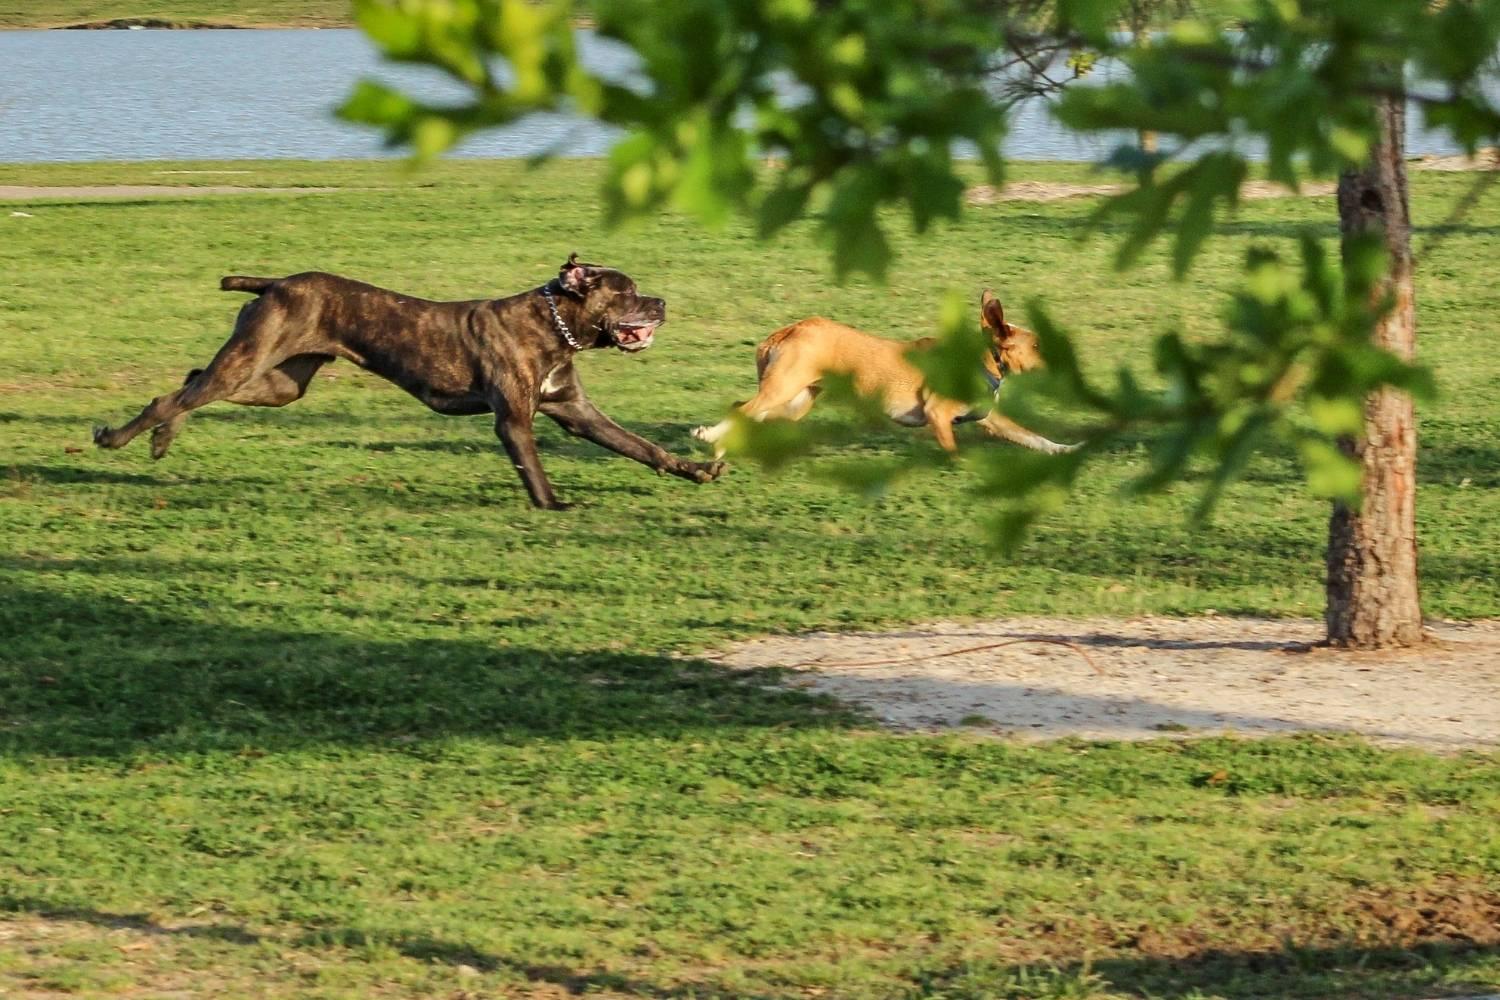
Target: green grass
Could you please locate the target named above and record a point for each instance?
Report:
(319, 707)
(244, 13)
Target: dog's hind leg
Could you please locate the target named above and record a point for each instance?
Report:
(286, 383)
(800, 404)
(777, 399)
(248, 352)
(163, 433)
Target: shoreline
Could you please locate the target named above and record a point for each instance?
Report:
(171, 24)
(165, 24)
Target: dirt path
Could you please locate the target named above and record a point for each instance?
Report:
(1146, 678)
(984, 194)
(1487, 158)
(25, 192)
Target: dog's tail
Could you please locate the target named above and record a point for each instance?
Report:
(243, 283)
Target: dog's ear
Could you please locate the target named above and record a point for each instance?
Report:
(992, 313)
(573, 276)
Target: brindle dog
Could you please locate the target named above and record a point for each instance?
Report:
(510, 357)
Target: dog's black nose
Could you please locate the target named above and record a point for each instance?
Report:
(659, 306)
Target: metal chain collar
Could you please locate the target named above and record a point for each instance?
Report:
(557, 321)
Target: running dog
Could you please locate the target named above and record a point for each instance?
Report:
(509, 356)
(791, 362)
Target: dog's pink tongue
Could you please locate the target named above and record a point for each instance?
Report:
(635, 334)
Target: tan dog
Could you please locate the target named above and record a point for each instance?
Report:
(791, 362)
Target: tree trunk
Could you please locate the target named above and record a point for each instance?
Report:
(1140, 36)
(1372, 552)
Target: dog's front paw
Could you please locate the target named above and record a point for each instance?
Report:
(102, 435)
(707, 472)
(701, 432)
(161, 440)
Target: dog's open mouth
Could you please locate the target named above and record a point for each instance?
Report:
(635, 336)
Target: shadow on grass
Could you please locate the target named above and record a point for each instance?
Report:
(1417, 964)
(80, 422)
(73, 475)
(1454, 464)
(107, 677)
(1421, 967)
(672, 436)
(136, 922)
(1104, 640)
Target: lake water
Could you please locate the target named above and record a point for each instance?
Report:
(222, 95)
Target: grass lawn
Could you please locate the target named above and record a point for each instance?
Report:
(319, 707)
(246, 13)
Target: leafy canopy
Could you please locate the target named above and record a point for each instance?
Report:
(862, 104)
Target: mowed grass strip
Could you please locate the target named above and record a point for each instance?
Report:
(318, 705)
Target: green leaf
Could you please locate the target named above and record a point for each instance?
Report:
(1234, 455)
(1017, 474)
(714, 173)
(1216, 176)
(781, 206)
(1093, 19)
(630, 184)
(1169, 458)
(1352, 145)
(859, 245)
(1335, 415)
(1011, 527)
(868, 477)
(953, 363)
(1061, 359)
(394, 28)
(432, 135)
(771, 443)
(373, 103)
(1330, 472)
(933, 190)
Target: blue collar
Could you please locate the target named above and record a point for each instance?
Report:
(993, 379)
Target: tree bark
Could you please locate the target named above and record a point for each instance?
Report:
(1372, 552)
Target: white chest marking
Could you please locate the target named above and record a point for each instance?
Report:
(552, 383)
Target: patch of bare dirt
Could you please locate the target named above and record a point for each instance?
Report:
(985, 194)
(1255, 190)
(186, 960)
(1457, 913)
(1452, 912)
(30, 192)
(66, 953)
(1485, 158)
(1145, 678)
